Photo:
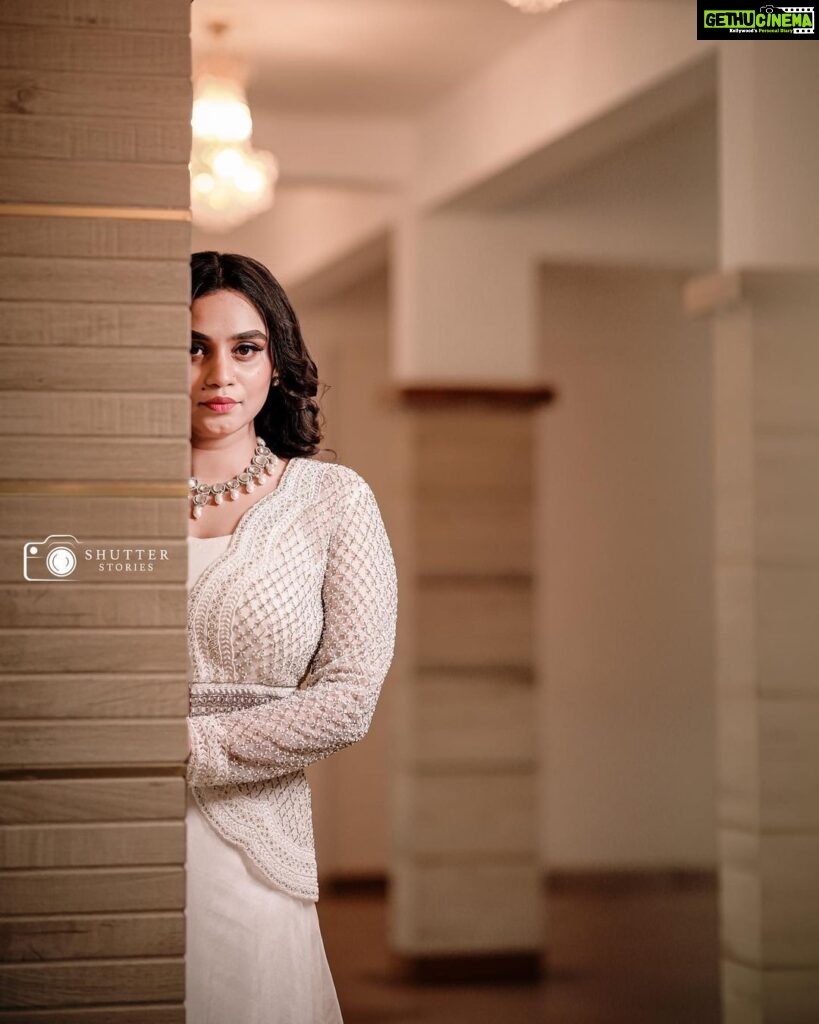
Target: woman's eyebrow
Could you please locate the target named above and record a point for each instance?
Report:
(243, 336)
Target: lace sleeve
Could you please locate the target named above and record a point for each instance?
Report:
(335, 705)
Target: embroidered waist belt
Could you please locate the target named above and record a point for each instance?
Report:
(217, 698)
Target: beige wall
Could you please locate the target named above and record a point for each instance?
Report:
(626, 573)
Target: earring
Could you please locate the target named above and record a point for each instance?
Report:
(274, 381)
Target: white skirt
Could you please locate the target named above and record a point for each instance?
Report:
(255, 954)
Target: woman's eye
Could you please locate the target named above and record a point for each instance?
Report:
(245, 349)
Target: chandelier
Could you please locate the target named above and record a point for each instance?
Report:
(535, 6)
(230, 180)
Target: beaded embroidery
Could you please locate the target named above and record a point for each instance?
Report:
(291, 632)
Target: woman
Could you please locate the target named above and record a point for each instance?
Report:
(291, 628)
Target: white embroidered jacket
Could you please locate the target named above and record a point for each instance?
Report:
(291, 631)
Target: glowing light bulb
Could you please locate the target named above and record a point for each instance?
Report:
(220, 111)
(204, 183)
(230, 180)
(228, 162)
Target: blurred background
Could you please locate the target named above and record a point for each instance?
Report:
(513, 233)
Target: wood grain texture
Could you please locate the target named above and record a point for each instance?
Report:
(76, 800)
(116, 518)
(96, 695)
(89, 280)
(99, 183)
(95, 100)
(119, 139)
(157, 979)
(104, 743)
(97, 650)
(105, 51)
(81, 369)
(92, 936)
(154, 459)
(99, 845)
(65, 94)
(83, 413)
(94, 15)
(54, 324)
(89, 237)
(143, 1013)
(110, 601)
(86, 890)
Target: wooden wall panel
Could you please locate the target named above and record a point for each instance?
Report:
(91, 799)
(72, 890)
(94, 294)
(85, 413)
(477, 715)
(80, 369)
(74, 743)
(98, 845)
(54, 984)
(113, 514)
(64, 94)
(108, 650)
(108, 239)
(142, 1013)
(453, 543)
(33, 181)
(84, 280)
(94, 15)
(155, 459)
(467, 874)
(108, 52)
(767, 585)
(93, 937)
(449, 814)
(114, 602)
(89, 139)
(475, 621)
(126, 325)
(97, 695)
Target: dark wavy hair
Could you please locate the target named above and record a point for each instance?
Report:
(290, 420)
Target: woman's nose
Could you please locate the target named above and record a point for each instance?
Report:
(219, 369)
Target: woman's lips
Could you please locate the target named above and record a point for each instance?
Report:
(220, 405)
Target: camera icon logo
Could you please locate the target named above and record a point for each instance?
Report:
(50, 560)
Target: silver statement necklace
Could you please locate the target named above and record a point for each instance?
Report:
(262, 465)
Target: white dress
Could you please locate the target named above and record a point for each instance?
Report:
(254, 954)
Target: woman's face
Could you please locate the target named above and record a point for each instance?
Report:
(230, 359)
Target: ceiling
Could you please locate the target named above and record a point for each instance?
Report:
(358, 57)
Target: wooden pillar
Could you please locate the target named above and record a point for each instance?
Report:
(94, 296)
(766, 371)
(466, 886)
